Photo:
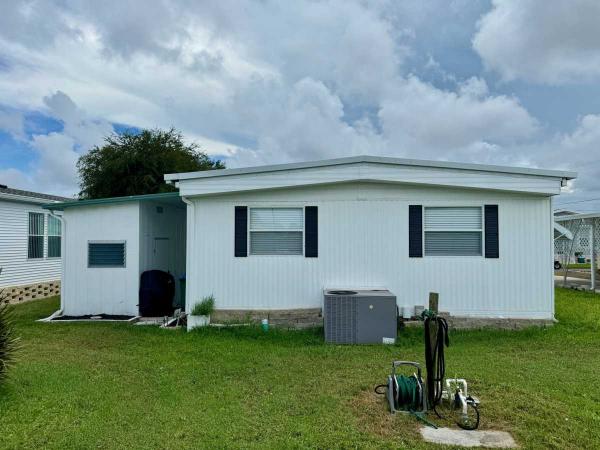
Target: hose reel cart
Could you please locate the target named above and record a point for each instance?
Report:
(411, 394)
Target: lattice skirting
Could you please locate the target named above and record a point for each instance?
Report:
(18, 294)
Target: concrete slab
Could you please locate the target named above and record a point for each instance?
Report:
(464, 438)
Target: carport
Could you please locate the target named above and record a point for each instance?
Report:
(585, 229)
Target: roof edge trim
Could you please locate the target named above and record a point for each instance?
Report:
(172, 177)
(109, 200)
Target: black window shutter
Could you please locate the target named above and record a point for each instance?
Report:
(492, 248)
(311, 230)
(415, 231)
(241, 231)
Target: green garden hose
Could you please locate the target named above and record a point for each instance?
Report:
(408, 397)
(408, 393)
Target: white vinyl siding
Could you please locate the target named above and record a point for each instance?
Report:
(363, 230)
(17, 268)
(54, 237)
(453, 231)
(276, 231)
(35, 246)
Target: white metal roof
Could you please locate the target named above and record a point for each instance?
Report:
(372, 159)
(593, 215)
(19, 195)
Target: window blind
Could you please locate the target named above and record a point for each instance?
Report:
(276, 219)
(448, 243)
(35, 244)
(453, 231)
(54, 237)
(453, 218)
(276, 231)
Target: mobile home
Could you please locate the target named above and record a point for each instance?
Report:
(266, 241)
(30, 245)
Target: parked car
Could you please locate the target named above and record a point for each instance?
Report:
(557, 265)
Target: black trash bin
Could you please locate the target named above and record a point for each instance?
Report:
(157, 289)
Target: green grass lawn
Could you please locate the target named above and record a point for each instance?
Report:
(83, 385)
(579, 265)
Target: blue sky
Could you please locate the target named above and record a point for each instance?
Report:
(509, 82)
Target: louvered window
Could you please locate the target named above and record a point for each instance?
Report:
(35, 244)
(106, 254)
(453, 231)
(276, 231)
(54, 237)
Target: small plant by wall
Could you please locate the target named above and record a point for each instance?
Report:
(204, 307)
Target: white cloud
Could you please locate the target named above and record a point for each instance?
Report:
(307, 125)
(431, 122)
(579, 150)
(85, 131)
(56, 164)
(474, 87)
(12, 122)
(549, 42)
(265, 83)
(54, 170)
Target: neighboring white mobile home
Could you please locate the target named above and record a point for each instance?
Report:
(268, 240)
(30, 245)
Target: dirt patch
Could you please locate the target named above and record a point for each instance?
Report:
(373, 417)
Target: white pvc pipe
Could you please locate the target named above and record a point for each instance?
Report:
(190, 233)
(63, 257)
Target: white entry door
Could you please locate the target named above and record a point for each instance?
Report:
(161, 259)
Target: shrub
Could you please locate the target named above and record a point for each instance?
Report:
(8, 340)
(205, 307)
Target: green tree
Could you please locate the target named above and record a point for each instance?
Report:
(133, 163)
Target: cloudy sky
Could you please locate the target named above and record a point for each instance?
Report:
(513, 82)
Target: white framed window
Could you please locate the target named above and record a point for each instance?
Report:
(35, 241)
(276, 231)
(453, 231)
(54, 237)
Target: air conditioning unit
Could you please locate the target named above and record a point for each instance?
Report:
(360, 316)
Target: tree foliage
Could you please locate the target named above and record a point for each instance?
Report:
(135, 163)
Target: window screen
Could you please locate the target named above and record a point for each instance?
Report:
(106, 254)
(35, 244)
(276, 231)
(54, 236)
(453, 231)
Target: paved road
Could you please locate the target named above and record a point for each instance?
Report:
(572, 282)
(584, 274)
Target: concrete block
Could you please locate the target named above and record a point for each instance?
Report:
(464, 438)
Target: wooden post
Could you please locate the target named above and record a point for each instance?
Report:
(432, 386)
(434, 301)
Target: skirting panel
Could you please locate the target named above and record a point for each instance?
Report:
(18, 294)
(284, 318)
